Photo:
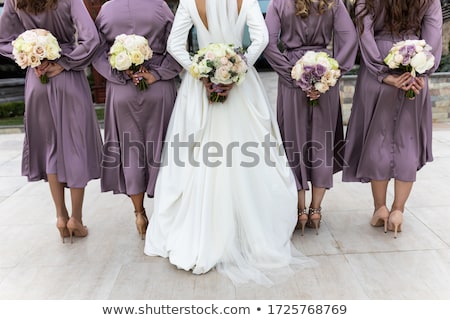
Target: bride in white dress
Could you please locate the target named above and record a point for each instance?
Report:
(225, 197)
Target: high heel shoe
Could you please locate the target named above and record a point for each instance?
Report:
(314, 217)
(141, 223)
(76, 229)
(395, 222)
(302, 218)
(380, 218)
(61, 224)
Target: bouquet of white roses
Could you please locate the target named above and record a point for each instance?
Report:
(315, 71)
(411, 56)
(129, 52)
(221, 64)
(33, 46)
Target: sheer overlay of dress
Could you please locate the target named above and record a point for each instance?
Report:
(222, 199)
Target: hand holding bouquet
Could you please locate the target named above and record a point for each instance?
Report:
(129, 52)
(315, 72)
(34, 46)
(222, 65)
(410, 56)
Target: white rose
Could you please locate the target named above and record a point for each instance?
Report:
(222, 75)
(137, 57)
(321, 87)
(122, 61)
(22, 60)
(419, 62)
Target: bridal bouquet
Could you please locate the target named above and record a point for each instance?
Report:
(33, 46)
(411, 56)
(315, 71)
(221, 64)
(130, 52)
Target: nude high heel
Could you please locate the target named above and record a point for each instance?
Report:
(302, 218)
(76, 229)
(314, 217)
(141, 223)
(61, 224)
(380, 218)
(395, 222)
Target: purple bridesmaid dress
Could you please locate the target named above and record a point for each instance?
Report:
(312, 135)
(135, 121)
(389, 136)
(62, 136)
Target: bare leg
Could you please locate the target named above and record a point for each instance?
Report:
(138, 202)
(402, 191)
(379, 190)
(57, 191)
(317, 197)
(302, 217)
(62, 216)
(139, 211)
(315, 214)
(381, 213)
(77, 196)
(301, 200)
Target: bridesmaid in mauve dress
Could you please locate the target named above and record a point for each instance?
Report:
(136, 121)
(311, 135)
(389, 136)
(62, 138)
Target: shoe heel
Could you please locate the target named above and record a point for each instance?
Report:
(314, 218)
(61, 224)
(302, 219)
(380, 218)
(141, 223)
(395, 222)
(76, 229)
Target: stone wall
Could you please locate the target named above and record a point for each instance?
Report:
(439, 90)
(445, 37)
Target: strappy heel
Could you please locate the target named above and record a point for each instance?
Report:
(314, 217)
(380, 218)
(76, 229)
(141, 223)
(395, 222)
(302, 219)
(61, 224)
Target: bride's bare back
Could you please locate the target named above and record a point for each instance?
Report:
(201, 8)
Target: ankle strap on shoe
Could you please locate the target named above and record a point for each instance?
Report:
(315, 210)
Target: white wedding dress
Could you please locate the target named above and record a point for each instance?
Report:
(234, 210)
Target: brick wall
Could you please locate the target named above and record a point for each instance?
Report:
(439, 90)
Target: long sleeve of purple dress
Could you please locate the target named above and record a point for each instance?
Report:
(10, 29)
(317, 31)
(74, 56)
(431, 32)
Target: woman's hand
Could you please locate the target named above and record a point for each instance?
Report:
(143, 73)
(221, 89)
(405, 82)
(48, 68)
(313, 95)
